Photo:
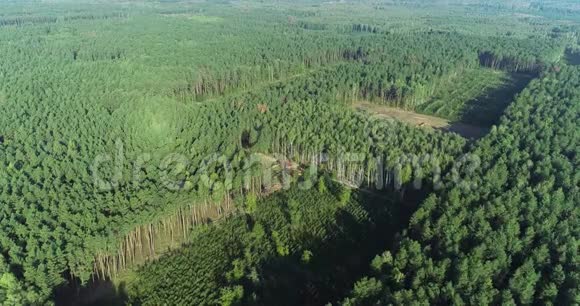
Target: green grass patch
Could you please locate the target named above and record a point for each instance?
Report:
(475, 96)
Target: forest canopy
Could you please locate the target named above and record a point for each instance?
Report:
(137, 135)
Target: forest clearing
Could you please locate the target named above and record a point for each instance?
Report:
(356, 152)
(421, 120)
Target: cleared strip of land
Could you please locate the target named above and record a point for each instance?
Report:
(426, 121)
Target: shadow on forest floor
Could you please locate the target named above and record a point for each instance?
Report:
(572, 58)
(466, 130)
(95, 293)
(338, 261)
(486, 109)
(341, 261)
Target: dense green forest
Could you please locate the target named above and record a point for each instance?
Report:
(510, 236)
(202, 152)
(284, 244)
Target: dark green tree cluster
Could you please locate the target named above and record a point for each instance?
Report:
(508, 234)
(290, 249)
(409, 80)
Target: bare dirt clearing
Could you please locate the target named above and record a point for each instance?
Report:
(465, 130)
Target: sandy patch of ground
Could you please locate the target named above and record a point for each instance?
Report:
(425, 121)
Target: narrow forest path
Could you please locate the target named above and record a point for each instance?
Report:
(420, 120)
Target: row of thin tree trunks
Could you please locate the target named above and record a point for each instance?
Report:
(149, 241)
(207, 84)
(408, 171)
